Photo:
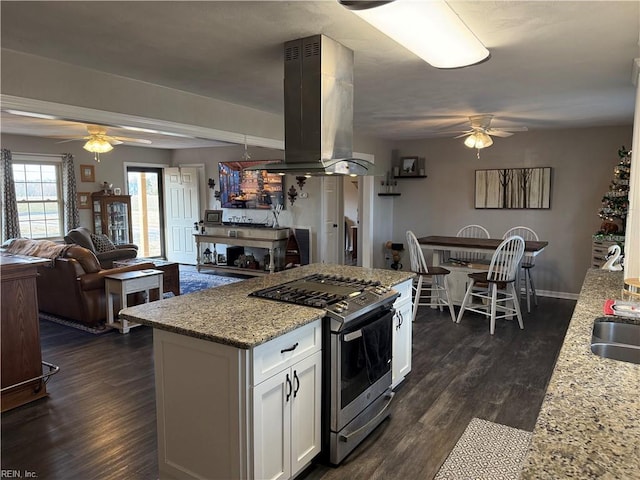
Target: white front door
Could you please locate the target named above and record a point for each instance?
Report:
(182, 210)
(332, 235)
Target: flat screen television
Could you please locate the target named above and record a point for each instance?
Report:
(241, 188)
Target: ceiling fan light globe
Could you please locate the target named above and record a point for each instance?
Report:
(470, 141)
(97, 145)
(483, 140)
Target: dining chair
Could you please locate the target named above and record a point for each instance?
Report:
(495, 288)
(471, 231)
(528, 262)
(430, 287)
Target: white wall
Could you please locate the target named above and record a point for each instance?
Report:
(582, 162)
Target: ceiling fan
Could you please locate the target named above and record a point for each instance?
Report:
(479, 136)
(97, 140)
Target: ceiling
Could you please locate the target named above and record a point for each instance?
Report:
(554, 64)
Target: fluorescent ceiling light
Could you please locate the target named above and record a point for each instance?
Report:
(430, 29)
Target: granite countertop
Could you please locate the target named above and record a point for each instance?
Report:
(227, 315)
(589, 424)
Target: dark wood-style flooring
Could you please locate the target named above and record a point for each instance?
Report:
(99, 420)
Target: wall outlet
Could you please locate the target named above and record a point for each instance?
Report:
(304, 195)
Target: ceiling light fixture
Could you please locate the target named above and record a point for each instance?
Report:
(430, 29)
(97, 145)
(478, 140)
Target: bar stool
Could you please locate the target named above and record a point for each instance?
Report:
(495, 288)
(528, 262)
(430, 286)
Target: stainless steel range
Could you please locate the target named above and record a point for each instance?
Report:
(357, 334)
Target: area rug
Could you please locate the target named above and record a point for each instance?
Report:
(97, 330)
(192, 281)
(486, 451)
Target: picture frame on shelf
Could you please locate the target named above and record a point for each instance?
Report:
(87, 173)
(212, 218)
(84, 199)
(409, 166)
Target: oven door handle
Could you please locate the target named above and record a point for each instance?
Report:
(347, 436)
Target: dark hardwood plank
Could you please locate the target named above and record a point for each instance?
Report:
(99, 420)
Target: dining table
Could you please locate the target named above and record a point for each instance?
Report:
(442, 245)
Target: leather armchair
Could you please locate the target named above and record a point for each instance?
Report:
(82, 236)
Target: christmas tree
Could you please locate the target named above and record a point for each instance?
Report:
(615, 202)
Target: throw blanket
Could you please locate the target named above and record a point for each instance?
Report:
(37, 248)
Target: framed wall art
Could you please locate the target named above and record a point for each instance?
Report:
(514, 188)
(212, 217)
(84, 199)
(87, 173)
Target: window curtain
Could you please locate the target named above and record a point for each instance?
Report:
(69, 193)
(10, 221)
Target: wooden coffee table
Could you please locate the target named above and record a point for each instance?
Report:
(170, 270)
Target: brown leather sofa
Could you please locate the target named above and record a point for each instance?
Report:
(82, 236)
(73, 286)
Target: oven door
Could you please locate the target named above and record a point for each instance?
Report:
(360, 365)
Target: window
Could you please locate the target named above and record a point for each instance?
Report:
(39, 197)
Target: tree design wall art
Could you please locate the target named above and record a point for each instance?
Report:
(513, 188)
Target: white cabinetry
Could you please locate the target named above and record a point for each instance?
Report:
(402, 334)
(251, 413)
(286, 422)
(287, 403)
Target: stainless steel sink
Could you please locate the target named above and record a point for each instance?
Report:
(615, 340)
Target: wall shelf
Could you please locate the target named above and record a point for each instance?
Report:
(395, 194)
(409, 176)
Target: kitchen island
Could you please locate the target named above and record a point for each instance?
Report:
(588, 426)
(223, 366)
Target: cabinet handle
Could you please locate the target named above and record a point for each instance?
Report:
(401, 319)
(289, 388)
(297, 380)
(290, 349)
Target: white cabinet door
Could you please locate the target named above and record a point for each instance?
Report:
(401, 363)
(272, 426)
(402, 335)
(306, 411)
(286, 419)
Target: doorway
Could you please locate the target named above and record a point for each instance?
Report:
(147, 215)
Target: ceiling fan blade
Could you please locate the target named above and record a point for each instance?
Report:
(465, 134)
(132, 140)
(76, 139)
(499, 133)
(513, 129)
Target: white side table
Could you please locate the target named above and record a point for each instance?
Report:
(125, 283)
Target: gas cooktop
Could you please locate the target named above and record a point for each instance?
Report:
(344, 298)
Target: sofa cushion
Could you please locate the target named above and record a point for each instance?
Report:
(102, 243)
(85, 257)
(80, 236)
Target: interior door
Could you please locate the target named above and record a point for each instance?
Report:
(182, 209)
(332, 234)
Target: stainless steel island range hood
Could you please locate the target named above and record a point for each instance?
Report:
(318, 110)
